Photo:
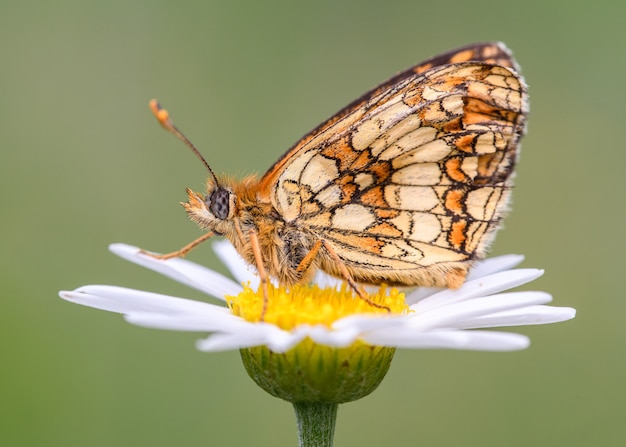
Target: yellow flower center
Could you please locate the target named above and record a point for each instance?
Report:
(310, 304)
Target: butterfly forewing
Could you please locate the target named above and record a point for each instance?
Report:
(409, 183)
(494, 53)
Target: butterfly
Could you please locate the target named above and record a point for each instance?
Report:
(406, 185)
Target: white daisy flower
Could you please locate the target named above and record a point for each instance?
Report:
(433, 318)
(318, 343)
(317, 346)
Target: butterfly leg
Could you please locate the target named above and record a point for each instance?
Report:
(256, 251)
(183, 251)
(348, 277)
(309, 258)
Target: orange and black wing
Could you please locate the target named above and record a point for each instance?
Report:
(409, 183)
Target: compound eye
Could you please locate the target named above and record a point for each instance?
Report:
(219, 203)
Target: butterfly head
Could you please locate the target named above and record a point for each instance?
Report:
(213, 210)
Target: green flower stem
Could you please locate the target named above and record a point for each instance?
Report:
(316, 423)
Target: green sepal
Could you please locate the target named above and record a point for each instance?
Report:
(310, 372)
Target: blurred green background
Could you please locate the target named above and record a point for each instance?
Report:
(83, 164)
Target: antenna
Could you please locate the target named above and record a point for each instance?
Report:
(166, 122)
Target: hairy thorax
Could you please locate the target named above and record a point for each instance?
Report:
(283, 245)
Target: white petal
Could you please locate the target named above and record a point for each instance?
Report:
(485, 286)
(420, 293)
(323, 280)
(283, 341)
(338, 338)
(226, 341)
(455, 315)
(251, 335)
(481, 269)
(190, 323)
(243, 272)
(497, 264)
(123, 300)
(403, 337)
(521, 317)
(368, 322)
(181, 270)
